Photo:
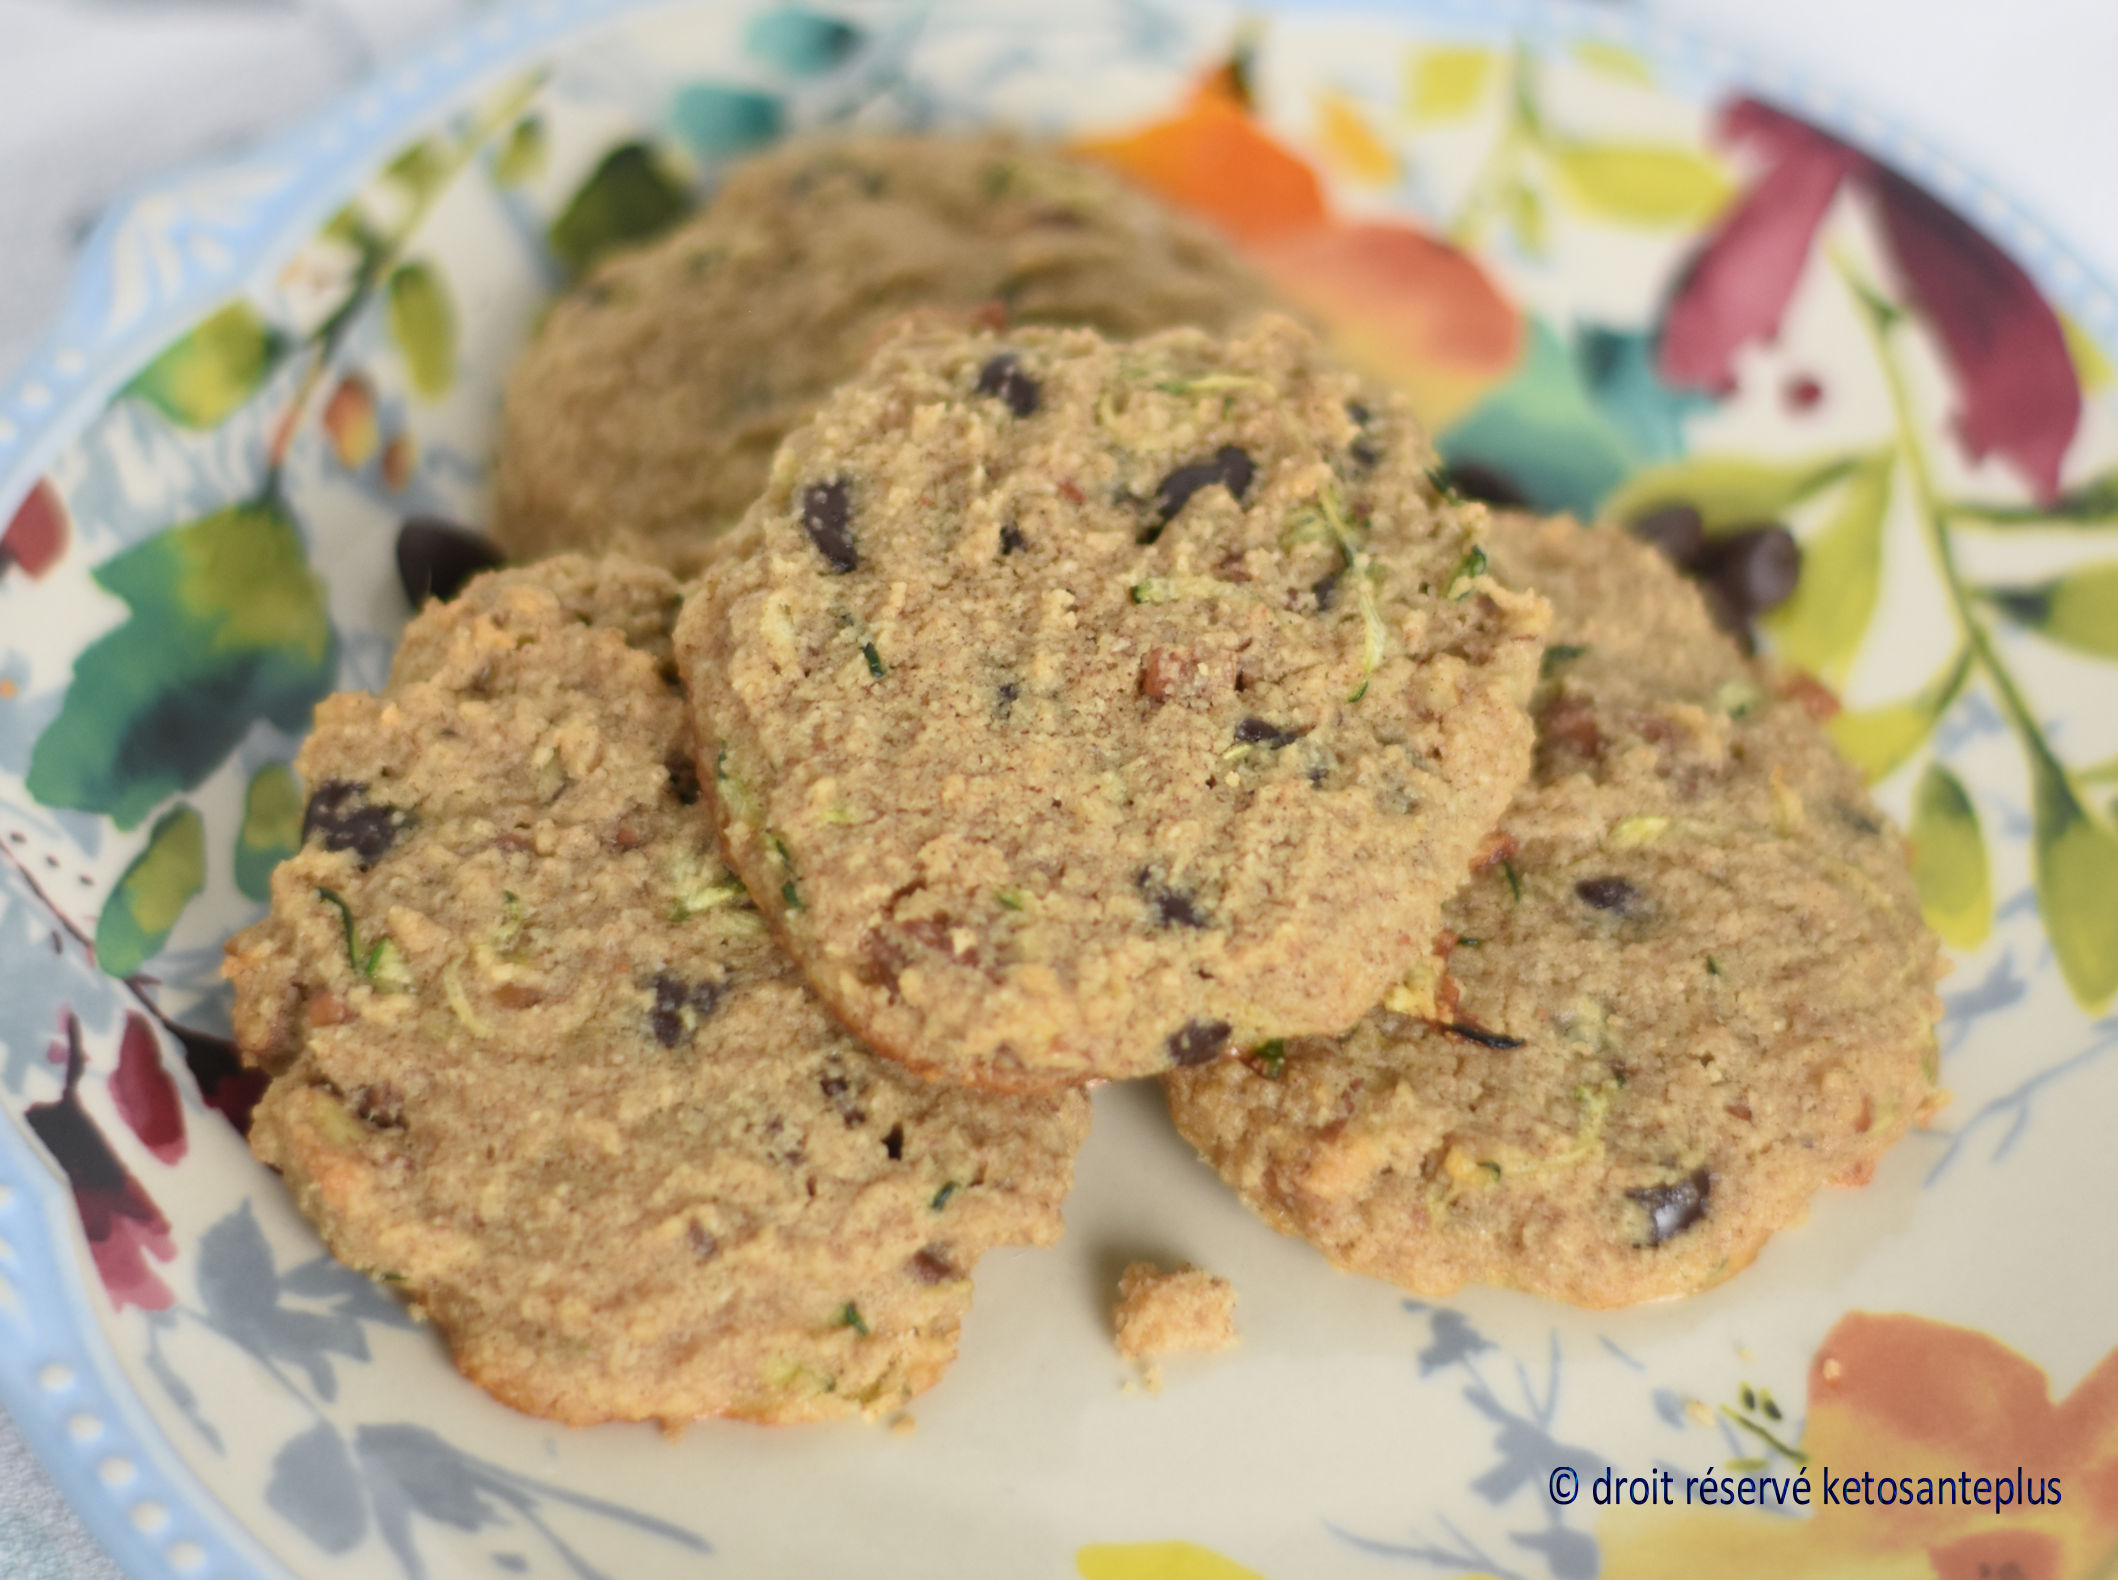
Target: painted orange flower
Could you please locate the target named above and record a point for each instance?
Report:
(1905, 1398)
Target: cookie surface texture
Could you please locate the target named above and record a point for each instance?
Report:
(1090, 709)
(645, 414)
(538, 1065)
(1689, 987)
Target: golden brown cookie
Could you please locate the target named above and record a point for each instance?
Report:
(1085, 709)
(539, 1066)
(1688, 986)
(645, 414)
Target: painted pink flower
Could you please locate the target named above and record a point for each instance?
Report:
(123, 1225)
(2019, 392)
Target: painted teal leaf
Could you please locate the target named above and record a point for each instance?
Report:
(162, 880)
(228, 626)
(629, 197)
(202, 379)
(2076, 864)
(1949, 860)
(715, 122)
(1618, 366)
(801, 43)
(1543, 432)
(271, 831)
(422, 321)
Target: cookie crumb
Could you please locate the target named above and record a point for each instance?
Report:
(1698, 1412)
(903, 1424)
(1162, 1313)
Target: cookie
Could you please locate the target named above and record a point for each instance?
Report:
(1085, 709)
(1688, 986)
(538, 1065)
(1165, 1313)
(652, 399)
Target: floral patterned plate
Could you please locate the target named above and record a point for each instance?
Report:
(1617, 271)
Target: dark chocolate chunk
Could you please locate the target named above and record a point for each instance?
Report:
(1198, 1042)
(1004, 698)
(1011, 538)
(1231, 467)
(824, 518)
(1326, 589)
(1756, 569)
(673, 996)
(343, 819)
(894, 1143)
(1470, 480)
(703, 1243)
(1364, 454)
(1675, 1207)
(1359, 413)
(1256, 732)
(929, 1267)
(1172, 907)
(839, 1093)
(1003, 376)
(1610, 894)
(1677, 530)
(436, 557)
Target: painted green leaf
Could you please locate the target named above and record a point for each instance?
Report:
(1878, 741)
(1157, 1561)
(422, 169)
(715, 122)
(2093, 503)
(2076, 864)
(423, 323)
(1544, 432)
(228, 625)
(630, 196)
(1445, 84)
(161, 881)
(1949, 860)
(1820, 628)
(1525, 210)
(272, 828)
(1636, 185)
(202, 379)
(801, 43)
(1613, 60)
(521, 157)
(1727, 491)
(2077, 610)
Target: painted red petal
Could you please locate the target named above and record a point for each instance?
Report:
(1736, 288)
(119, 1218)
(145, 1096)
(2021, 395)
(36, 534)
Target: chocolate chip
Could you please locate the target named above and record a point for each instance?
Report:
(1004, 698)
(1231, 467)
(435, 558)
(1610, 894)
(703, 1243)
(1011, 538)
(1172, 907)
(930, 1268)
(1756, 569)
(824, 512)
(1003, 376)
(684, 779)
(1326, 589)
(1677, 530)
(1675, 1207)
(894, 1143)
(1198, 1042)
(1364, 454)
(673, 997)
(1473, 481)
(338, 814)
(1478, 1034)
(380, 1106)
(1256, 732)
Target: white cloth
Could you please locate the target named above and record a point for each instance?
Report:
(100, 96)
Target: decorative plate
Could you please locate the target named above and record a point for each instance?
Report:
(1617, 271)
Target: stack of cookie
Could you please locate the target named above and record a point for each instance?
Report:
(1065, 708)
